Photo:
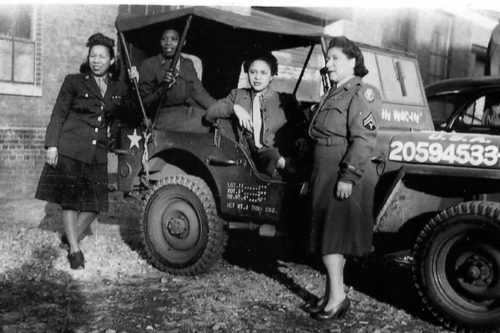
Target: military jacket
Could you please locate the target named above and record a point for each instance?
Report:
(187, 89)
(277, 110)
(349, 115)
(81, 115)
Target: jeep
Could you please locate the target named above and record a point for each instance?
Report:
(432, 191)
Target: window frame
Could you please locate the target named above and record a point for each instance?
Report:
(25, 88)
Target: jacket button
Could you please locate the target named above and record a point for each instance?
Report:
(102, 107)
(94, 142)
(99, 118)
(86, 95)
(267, 129)
(96, 129)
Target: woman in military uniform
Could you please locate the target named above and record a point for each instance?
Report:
(266, 118)
(75, 175)
(344, 130)
(175, 100)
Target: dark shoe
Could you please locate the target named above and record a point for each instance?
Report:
(334, 314)
(313, 307)
(64, 242)
(76, 260)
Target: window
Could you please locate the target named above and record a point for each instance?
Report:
(484, 111)
(442, 108)
(474, 114)
(439, 49)
(17, 44)
(396, 77)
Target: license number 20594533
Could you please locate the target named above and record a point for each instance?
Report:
(472, 154)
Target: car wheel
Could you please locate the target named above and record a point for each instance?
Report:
(456, 267)
(180, 229)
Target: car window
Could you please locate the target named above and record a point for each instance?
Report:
(484, 111)
(473, 116)
(442, 107)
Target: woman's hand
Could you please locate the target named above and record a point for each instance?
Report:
(133, 73)
(302, 145)
(243, 116)
(281, 163)
(343, 190)
(51, 156)
(169, 78)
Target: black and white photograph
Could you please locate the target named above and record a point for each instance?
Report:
(230, 166)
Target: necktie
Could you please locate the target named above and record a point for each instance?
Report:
(256, 121)
(103, 86)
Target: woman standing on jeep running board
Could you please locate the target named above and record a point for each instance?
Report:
(75, 173)
(344, 128)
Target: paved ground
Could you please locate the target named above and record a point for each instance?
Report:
(257, 287)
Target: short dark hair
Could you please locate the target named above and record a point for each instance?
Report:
(351, 50)
(267, 57)
(109, 43)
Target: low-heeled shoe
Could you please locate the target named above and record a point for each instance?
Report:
(76, 260)
(334, 314)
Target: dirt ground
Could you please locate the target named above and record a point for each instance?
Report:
(257, 287)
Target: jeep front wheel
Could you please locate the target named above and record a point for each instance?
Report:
(181, 232)
(456, 266)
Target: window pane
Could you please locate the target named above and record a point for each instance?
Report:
(6, 15)
(5, 60)
(371, 64)
(414, 93)
(441, 108)
(474, 113)
(392, 86)
(24, 62)
(23, 22)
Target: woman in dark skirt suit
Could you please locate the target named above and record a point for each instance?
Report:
(75, 173)
(344, 128)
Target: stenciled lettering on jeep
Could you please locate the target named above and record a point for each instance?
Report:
(248, 197)
(401, 116)
(449, 149)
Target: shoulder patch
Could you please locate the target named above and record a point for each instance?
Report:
(369, 122)
(369, 95)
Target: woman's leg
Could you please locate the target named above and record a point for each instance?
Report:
(70, 219)
(85, 219)
(334, 264)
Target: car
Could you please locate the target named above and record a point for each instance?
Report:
(197, 187)
(466, 105)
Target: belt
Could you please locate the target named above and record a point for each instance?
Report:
(331, 140)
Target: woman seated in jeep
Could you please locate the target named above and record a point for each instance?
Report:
(175, 99)
(267, 119)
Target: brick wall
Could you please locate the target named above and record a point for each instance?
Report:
(62, 32)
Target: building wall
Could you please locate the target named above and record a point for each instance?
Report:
(412, 30)
(62, 32)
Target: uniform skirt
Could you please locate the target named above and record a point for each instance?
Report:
(75, 185)
(340, 226)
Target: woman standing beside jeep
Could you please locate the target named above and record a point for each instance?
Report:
(344, 129)
(75, 173)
